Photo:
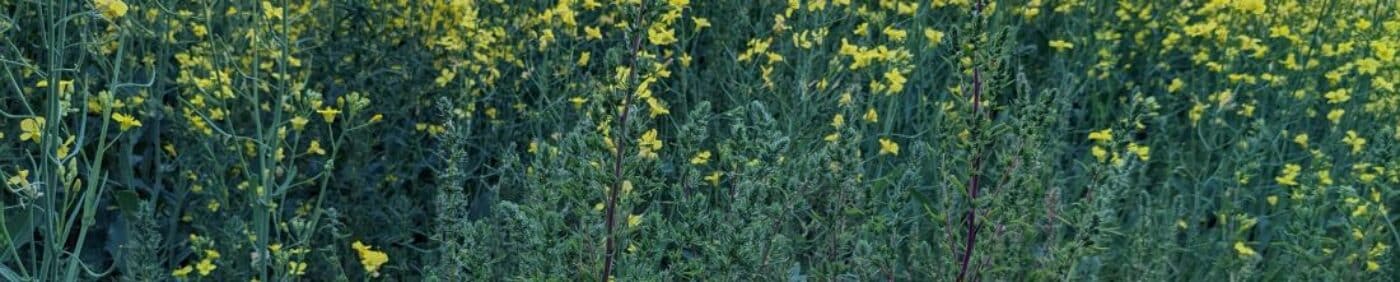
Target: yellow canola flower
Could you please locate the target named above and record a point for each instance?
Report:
(871, 115)
(1061, 45)
(634, 220)
(328, 114)
(896, 81)
(182, 272)
(700, 23)
(296, 268)
(661, 35)
(1143, 152)
(126, 122)
(1176, 85)
(1256, 7)
(1289, 175)
(1099, 153)
(1244, 250)
(21, 178)
(111, 9)
(1357, 142)
(657, 108)
(713, 178)
(933, 35)
(206, 266)
(592, 33)
(31, 129)
(299, 123)
(1103, 136)
(701, 158)
(1336, 115)
(370, 258)
(888, 147)
(578, 101)
(315, 148)
(649, 145)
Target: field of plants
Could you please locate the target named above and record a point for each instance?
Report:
(711, 140)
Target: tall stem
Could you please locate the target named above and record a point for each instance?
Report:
(608, 248)
(976, 170)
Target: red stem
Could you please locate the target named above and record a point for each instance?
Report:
(609, 246)
(973, 179)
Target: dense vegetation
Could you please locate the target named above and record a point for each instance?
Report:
(909, 140)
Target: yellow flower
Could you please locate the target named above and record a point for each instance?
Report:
(1099, 153)
(126, 122)
(1336, 115)
(1372, 266)
(1256, 7)
(1301, 139)
(578, 101)
(934, 36)
(871, 115)
(592, 33)
(634, 220)
(182, 272)
(296, 268)
(888, 147)
(703, 157)
(713, 178)
(369, 258)
(1176, 85)
(583, 59)
(31, 129)
(895, 34)
(1244, 250)
(270, 11)
(700, 23)
(661, 35)
(838, 121)
(1142, 151)
(315, 148)
(445, 77)
(896, 81)
(1061, 45)
(1273, 200)
(1338, 96)
(657, 108)
(205, 266)
(1289, 175)
(64, 148)
(1102, 136)
(299, 123)
(833, 137)
(1356, 142)
(649, 145)
(111, 9)
(1360, 210)
(328, 114)
(21, 178)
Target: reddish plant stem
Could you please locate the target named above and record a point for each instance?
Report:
(973, 179)
(611, 221)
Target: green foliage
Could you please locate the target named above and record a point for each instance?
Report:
(461, 140)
